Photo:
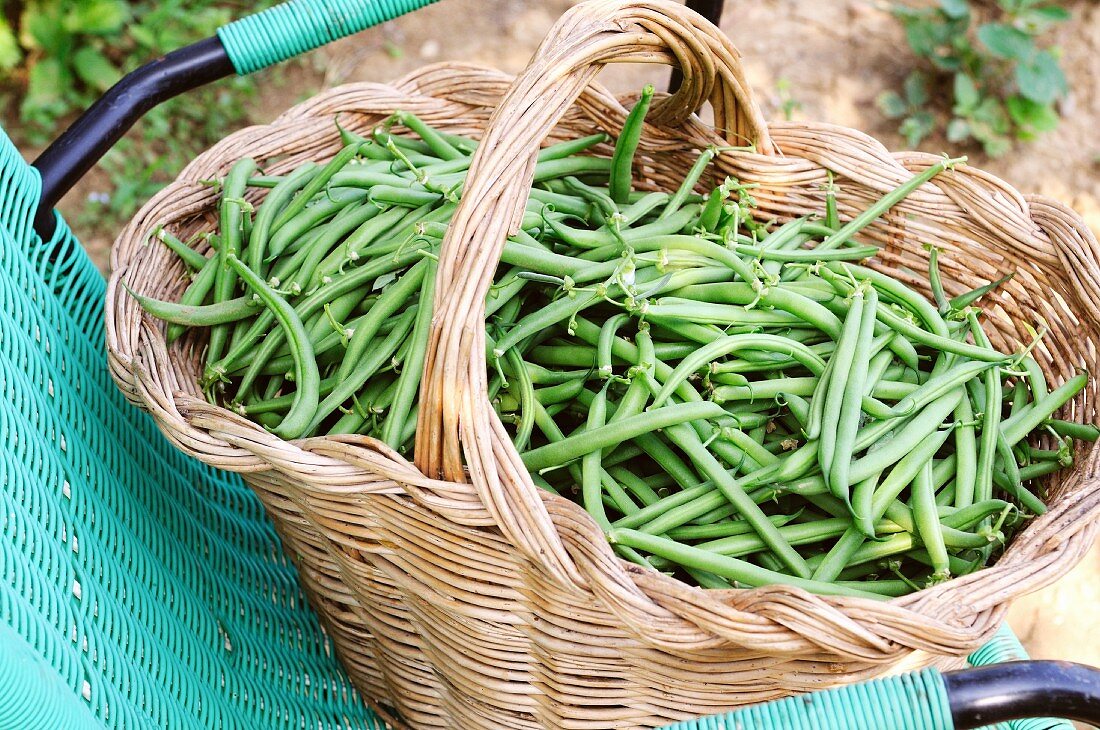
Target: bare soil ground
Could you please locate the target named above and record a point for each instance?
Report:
(836, 56)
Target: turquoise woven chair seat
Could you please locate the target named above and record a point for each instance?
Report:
(138, 587)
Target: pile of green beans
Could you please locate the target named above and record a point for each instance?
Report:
(734, 401)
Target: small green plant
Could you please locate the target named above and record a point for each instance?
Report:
(58, 56)
(987, 58)
(788, 104)
(65, 46)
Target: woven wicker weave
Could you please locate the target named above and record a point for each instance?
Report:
(460, 595)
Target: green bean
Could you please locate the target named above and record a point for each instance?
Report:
(365, 367)
(551, 314)
(358, 236)
(687, 331)
(289, 264)
(688, 184)
(667, 505)
(403, 197)
(615, 496)
(526, 394)
(315, 265)
(411, 371)
(945, 344)
(861, 505)
(914, 430)
(591, 485)
(438, 145)
(1015, 488)
(571, 147)
(387, 141)
(1018, 426)
(940, 384)
(806, 256)
(282, 403)
(723, 315)
(888, 389)
(323, 344)
(1080, 431)
(696, 245)
(708, 580)
(1035, 377)
(807, 533)
(207, 315)
(394, 298)
(552, 169)
(565, 204)
(564, 356)
(887, 588)
(636, 485)
(832, 212)
(899, 544)
(966, 451)
(315, 185)
(745, 293)
(798, 406)
(561, 393)
(355, 279)
(934, 280)
(928, 523)
(850, 388)
(740, 571)
(667, 459)
(900, 476)
(196, 293)
(272, 205)
(603, 347)
(673, 350)
(604, 244)
(1020, 397)
(885, 203)
(295, 233)
(834, 390)
(465, 145)
(963, 301)
(732, 489)
(306, 375)
(718, 530)
(626, 146)
(603, 206)
(729, 344)
(192, 258)
(230, 210)
(350, 422)
(576, 446)
(642, 208)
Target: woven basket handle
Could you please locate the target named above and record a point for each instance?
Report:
(454, 418)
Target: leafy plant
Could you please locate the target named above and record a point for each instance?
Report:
(1003, 85)
(64, 43)
(58, 56)
(788, 104)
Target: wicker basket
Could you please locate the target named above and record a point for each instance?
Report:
(458, 594)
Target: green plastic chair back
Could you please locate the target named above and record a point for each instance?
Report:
(138, 587)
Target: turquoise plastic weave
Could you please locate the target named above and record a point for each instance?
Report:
(295, 27)
(916, 701)
(138, 587)
(1005, 647)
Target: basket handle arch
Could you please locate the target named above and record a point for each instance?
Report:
(458, 438)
